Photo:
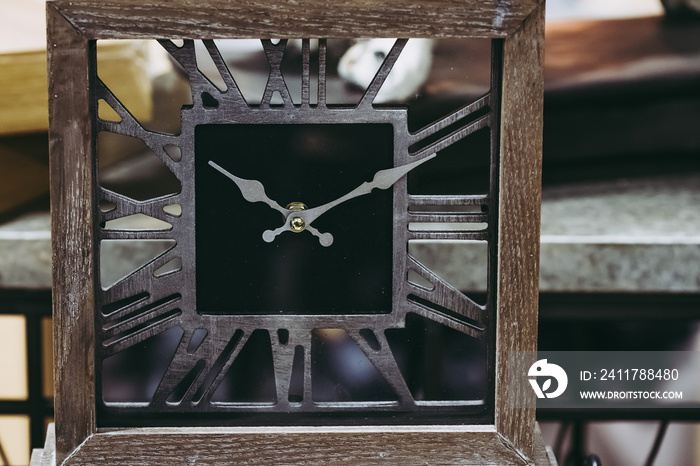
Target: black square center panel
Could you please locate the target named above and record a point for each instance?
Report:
(238, 273)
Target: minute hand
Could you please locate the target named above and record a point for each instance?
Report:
(383, 179)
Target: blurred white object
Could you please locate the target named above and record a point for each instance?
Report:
(236, 50)
(362, 60)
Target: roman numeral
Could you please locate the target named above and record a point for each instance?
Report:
(448, 217)
(275, 81)
(383, 72)
(443, 303)
(457, 125)
(127, 327)
(380, 355)
(188, 379)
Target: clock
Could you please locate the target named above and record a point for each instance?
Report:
(293, 235)
(285, 296)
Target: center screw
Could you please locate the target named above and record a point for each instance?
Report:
(297, 224)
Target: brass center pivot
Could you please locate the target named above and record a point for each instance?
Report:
(297, 224)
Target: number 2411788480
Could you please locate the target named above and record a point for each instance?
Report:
(638, 374)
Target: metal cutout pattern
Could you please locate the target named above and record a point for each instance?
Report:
(146, 303)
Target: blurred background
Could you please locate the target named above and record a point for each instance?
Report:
(620, 260)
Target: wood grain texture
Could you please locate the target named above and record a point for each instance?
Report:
(218, 446)
(543, 456)
(296, 18)
(71, 173)
(433, 446)
(519, 221)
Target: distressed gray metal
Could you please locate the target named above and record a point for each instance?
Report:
(143, 305)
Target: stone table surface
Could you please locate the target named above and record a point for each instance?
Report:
(636, 235)
(627, 235)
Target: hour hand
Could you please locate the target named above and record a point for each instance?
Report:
(252, 190)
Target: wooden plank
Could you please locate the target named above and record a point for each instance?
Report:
(584, 53)
(23, 92)
(304, 445)
(285, 18)
(519, 221)
(71, 172)
(543, 455)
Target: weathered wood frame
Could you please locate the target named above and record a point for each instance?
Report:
(72, 26)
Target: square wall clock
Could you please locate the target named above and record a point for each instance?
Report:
(284, 289)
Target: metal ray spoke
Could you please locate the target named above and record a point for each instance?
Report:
(383, 72)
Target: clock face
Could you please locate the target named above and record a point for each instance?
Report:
(294, 274)
(289, 277)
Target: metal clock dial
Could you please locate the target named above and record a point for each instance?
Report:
(292, 237)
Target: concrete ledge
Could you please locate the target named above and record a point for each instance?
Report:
(640, 235)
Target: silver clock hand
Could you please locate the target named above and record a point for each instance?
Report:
(252, 190)
(326, 239)
(383, 179)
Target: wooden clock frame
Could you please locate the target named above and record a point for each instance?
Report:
(512, 439)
